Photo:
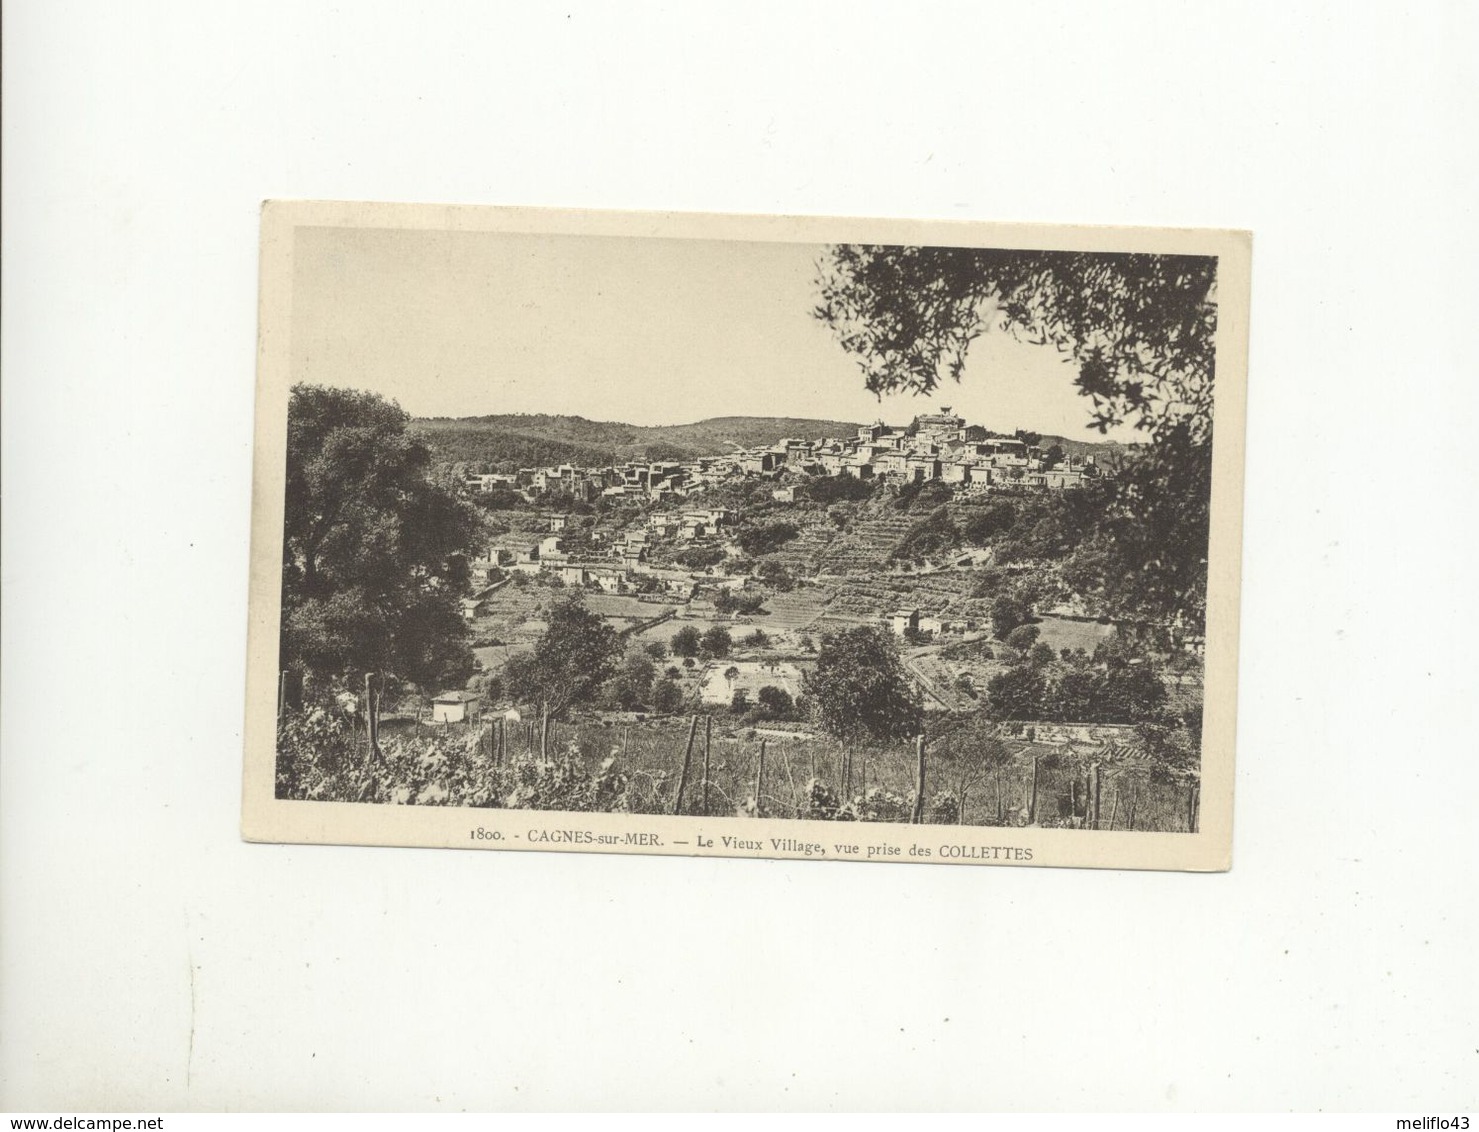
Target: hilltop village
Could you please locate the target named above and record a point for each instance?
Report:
(942, 532)
(613, 606)
(675, 501)
(933, 447)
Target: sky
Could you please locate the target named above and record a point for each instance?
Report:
(641, 331)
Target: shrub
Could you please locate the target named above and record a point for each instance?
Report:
(767, 539)
(699, 557)
(838, 489)
(879, 804)
(716, 642)
(685, 642)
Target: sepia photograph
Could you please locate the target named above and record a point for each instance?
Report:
(692, 534)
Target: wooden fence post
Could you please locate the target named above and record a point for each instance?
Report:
(1191, 808)
(1094, 785)
(759, 777)
(687, 757)
(370, 717)
(1032, 797)
(282, 695)
(1115, 809)
(918, 815)
(544, 730)
(708, 738)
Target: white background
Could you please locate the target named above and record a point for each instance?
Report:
(153, 961)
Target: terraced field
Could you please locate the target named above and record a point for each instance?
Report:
(803, 554)
(797, 610)
(866, 545)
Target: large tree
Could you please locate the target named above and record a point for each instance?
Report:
(1141, 329)
(576, 654)
(860, 688)
(374, 552)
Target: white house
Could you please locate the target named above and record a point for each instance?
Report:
(452, 707)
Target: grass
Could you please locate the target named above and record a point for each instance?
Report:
(1065, 633)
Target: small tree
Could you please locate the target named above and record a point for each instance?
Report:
(666, 696)
(1017, 693)
(631, 687)
(775, 700)
(1039, 655)
(685, 642)
(716, 643)
(767, 539)
(1023, 637)
(860, 688)
(1007, 612)
(777, 577)
(739, 703)
(577, 653)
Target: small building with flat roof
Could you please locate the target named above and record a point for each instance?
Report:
(452, 707)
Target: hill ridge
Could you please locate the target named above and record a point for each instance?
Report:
(536, 439)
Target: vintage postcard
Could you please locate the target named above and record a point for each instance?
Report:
(746, 536)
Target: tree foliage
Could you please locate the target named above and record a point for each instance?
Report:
(631, 687)
(577, 652)
(1009, 612)
(1141, 329)
(767, 539)
(727, 601)
(374, 551)
(716, 643)
(686, 641)
(1115, 688)
(699, 557)
(1023, 637)
(934, 534)
(776, 700)
(667, 697)
(838, 489)
(860, 688)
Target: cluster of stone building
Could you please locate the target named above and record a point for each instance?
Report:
(938, 446)
(654, 479)
(622, 568)
(943, 447)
